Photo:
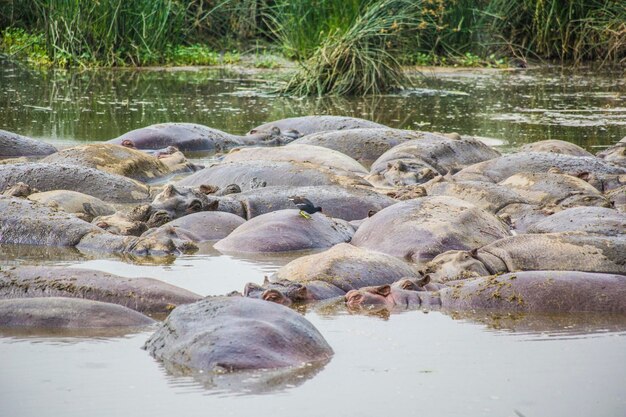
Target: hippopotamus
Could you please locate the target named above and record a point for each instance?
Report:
(597, 220)
(347, 203)
(417, 161)
(146, 295)
(305, 125)
(617, 197)
(499, 169)
(418, 230)
(117, 160)
(225, 334)
(286, 230)
(534, 252)
(82, 205)
(28, 222)
(190, 137)
(516, 292)
(553, 188)
(364, 145)
(207, 225)
(485, 195)
(13, 145)
(47, 177)
(68, 313)
(126, 224)
(298, 153)
(539, 291)
(615, 154)
(555, 146)
(330, 274)
(255, 174)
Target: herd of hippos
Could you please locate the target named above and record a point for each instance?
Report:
(396, 219)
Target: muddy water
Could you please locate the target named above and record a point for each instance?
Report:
(411, 363)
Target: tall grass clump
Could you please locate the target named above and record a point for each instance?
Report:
(355, 55)
(108, 32)
(217, 19)
(573, 30)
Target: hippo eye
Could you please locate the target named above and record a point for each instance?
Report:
(194, 206)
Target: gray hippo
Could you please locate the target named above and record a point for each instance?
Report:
(363, 145)
(82, 205)
(555, 146)
(417, 161)
(517, 292)
(298, 153)
(67, 313)
(331, 273)
(47, 177)
(615, 154)
(223, 334)
(121, 223)
(13, 145)
(305, 125)
(286, 230)
(190, 137)
(27, 222)
(598, 220)
(534, 252)
(553, 188)
(347, 203)
(499, 169)
(116, 159)
(485, 195)
(146, 295)
(418, 230)
(617, 197)
(254, 174)
(207, 225)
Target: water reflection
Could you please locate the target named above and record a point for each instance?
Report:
(517, 106)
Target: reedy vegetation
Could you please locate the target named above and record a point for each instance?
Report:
(343, 46)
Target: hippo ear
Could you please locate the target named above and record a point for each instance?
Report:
(407, 284)
(370, 213)
(102, 225)
(140, 213)
(585, 176)
(272, 295)
(253, 131)
(212, 206)
(302, 293)
(275, 131)
(383, 290)
(208, 189)
(266, 280)
(473, 253)
(128, 143)
(250, 287)
(169, 190)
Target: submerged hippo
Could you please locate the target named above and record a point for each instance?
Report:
(254, 174)
(534, 252)
(524, 291)
(298, 153)
(13, 145)
(47, 177)
(190, 137)
(554, 188)
(364, 145)
(114, 159)
(331, 273)
(418, 230)
(69, 313)
(237, 333)
(555, 146)
(82, 205)
(27, 222)
(146, 295)
(499, 169)
(597, 220)
(417, 161)
(347, 203)
(286, 230)
(305, 125)
(208, 225)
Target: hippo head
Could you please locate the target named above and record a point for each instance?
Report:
(160, 244)
(174, 202)
(19, 190)
(369, 297)
(274, 136)
(283, 292)
(615, 154)
(584, 199)
(401, 173)
(455, 264)
(120, 224)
